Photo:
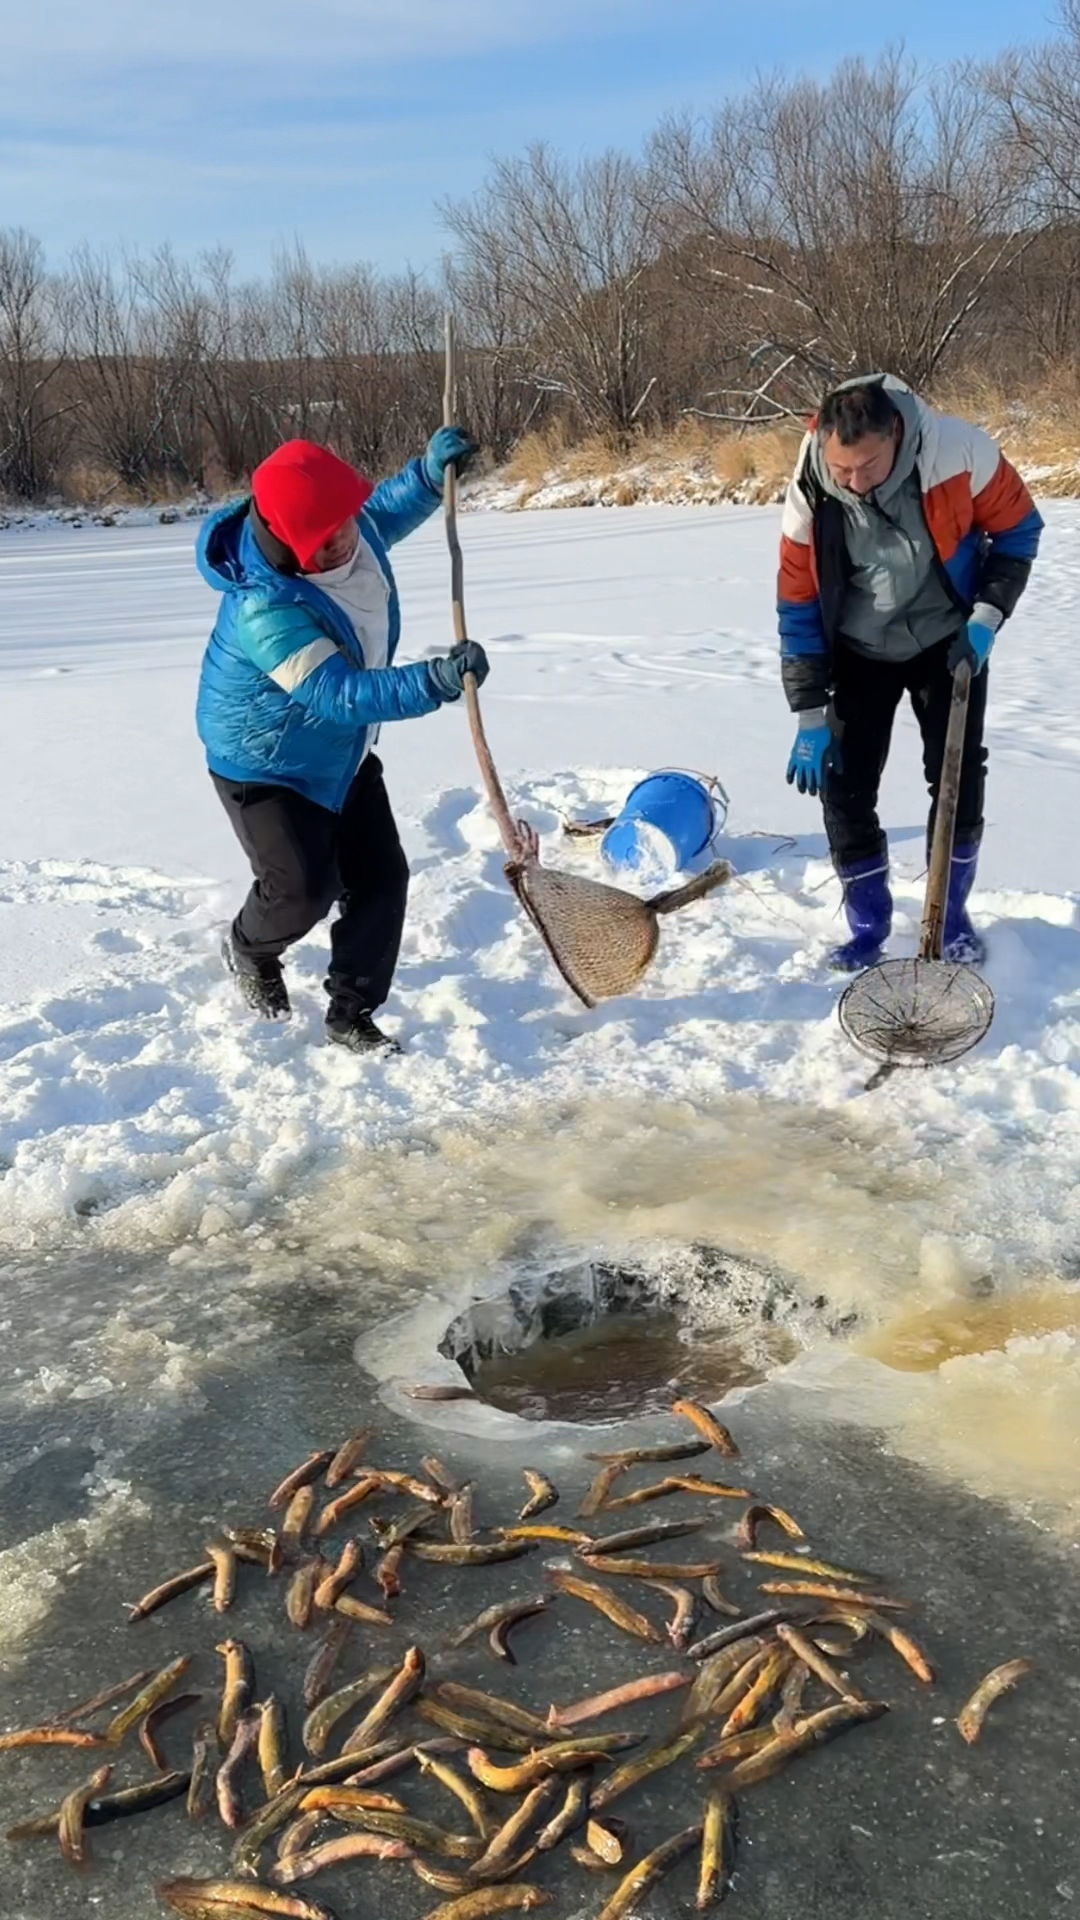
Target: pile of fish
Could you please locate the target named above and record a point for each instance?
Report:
(746, 1707)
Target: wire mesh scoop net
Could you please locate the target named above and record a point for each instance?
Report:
(925, 1011)
(601, 938)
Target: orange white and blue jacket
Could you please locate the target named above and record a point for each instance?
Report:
(981, 518)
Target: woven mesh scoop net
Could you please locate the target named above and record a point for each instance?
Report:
(916, 1012)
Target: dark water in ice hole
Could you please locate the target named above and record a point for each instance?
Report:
(628, 1365)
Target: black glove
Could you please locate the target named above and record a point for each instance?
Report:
(448, 672)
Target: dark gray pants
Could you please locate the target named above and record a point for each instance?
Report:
(304, 858)
(865, 698)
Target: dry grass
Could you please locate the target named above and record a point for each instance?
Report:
(699, 461)
(692, 461)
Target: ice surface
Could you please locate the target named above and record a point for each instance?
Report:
(225, 1244)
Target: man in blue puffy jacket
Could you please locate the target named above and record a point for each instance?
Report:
(296, 681)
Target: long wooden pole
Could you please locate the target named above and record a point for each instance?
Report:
(511, 839)
(937, 880)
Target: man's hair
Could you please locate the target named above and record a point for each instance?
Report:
(855, 412)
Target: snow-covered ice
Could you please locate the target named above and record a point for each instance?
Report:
(139, 1109)
(208, 1226)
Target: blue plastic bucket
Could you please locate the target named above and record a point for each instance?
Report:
(666, 821)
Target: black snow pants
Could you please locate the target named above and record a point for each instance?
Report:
(866, 695)
(304, 858)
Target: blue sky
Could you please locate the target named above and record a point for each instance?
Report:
(248, 123)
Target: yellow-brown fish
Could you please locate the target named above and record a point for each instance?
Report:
(334, 1583)
(747, 1711)
(156, 1718)
(71, 1820)
(843, 1596)
(903, 1644)
(713, 1595)
(170, 1590)
(486, 1901)
(573, 1809)
(338, 1853)
(717, 1849)
(478, 1554)
(272, 1746)
(617, 1611)
(400, 1689)
(643, 1536)
(544, 1494)
(812, 1656)
(716, 1674)
(644, 1765)
(297, 1521)
(653, 1456)
(563, 1756)
(320, 1668)
(646, 1687)
(462, 1789)
(106, 1698)
(348, 1457)
(491, 1707)
(647, 1871)
(755, 1517)
(737, 1746)
(621, 1567)
(324, 1717)
(499, 1637)
(492, 1617)
(355, 1496)
(461, 1516)
(204, 1760)
(238, 1690)
(300, 1593)
(707, 1425)
(245, 1741)
(570, 1536)
(822, 1569)
(49, 1737)
(354, 1609)
(388, 1572)
(224, 1559)
(597, 1492)
(226, 1899)
(681, 1624)
(148, 1698)
(1000, 1680)
(608, 1838)
(470, 1727)
(301, 1476)
(504, 1843)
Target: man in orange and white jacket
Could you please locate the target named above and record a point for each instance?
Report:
(907, 540)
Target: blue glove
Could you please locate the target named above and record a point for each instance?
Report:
(451, 446)
(973, 645)
(815, 755)
(448, 672)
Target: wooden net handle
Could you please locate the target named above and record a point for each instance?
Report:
(937, 880)
(510, 837)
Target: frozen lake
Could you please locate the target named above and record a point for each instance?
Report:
(224, 1247)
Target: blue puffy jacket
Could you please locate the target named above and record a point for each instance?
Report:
(264, 712)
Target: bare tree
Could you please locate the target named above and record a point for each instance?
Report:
(848, 225)
(36, 421)
(570, 247)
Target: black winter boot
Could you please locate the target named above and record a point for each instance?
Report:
(261, 981)
(349, 1022)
